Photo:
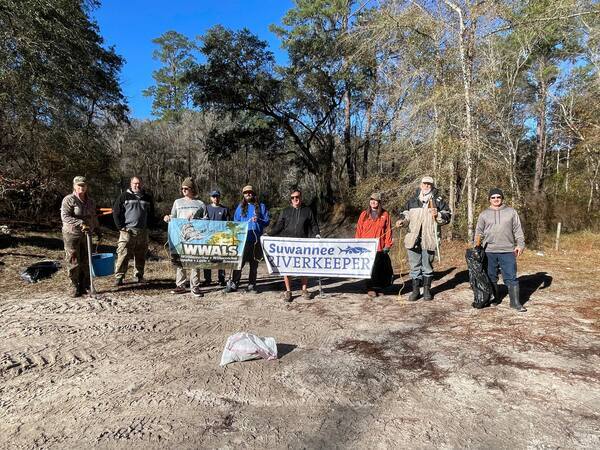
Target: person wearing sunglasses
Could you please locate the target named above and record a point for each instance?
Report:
(255, 213)
(296, 221)
(504, 241)
(375, 222)
(424, 213)
(187, 207)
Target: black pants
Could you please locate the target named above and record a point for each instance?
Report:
(208, 275)
(252, 255)
(383, 273)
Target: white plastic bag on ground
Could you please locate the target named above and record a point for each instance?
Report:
(244, 346)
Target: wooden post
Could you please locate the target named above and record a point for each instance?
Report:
(558, 227)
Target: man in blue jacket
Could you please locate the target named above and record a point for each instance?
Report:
(255, 213)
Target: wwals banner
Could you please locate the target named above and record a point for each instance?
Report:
(207, 244)
(343, 258)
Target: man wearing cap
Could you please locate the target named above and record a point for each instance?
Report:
(78, 215)
(255, 213)
(504, 241)
(216, 211)
(133, 212)
(296, 221)
(423, 214)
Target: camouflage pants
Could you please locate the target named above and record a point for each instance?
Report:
(76, 256)
(133, 243)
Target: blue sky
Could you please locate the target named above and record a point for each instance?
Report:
(130, 25)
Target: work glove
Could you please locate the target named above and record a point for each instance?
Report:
(85, 228)
(386, 250)
(318, 236)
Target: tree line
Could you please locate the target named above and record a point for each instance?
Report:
(374, 94)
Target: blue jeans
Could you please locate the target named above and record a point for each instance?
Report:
(420, 263)
(508, 266)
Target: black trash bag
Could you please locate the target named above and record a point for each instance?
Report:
(39, 271)
(480, 283)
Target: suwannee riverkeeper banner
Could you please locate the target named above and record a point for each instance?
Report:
(341, 258)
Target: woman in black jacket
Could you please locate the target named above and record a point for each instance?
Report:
(296, 221)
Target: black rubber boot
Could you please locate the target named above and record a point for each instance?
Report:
(513, 293)
(427, 295)
(495, 300)
(416, 291)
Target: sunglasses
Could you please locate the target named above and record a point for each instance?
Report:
(185, 189)
(494, 197)
(248, 193)
(294, 196)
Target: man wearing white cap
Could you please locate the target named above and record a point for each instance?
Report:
(423, 214)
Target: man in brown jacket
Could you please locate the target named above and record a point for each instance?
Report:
(78, 215)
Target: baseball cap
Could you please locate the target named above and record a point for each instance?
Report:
(79, 180)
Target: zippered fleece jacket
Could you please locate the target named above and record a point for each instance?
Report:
(501, 230)
(379, 228)
(296, 222)
(132, 210)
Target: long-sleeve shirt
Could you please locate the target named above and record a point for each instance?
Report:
(74, 213)
(184, 207)
(220, 212)
(377, 227)
(501, 229)
(255, 229)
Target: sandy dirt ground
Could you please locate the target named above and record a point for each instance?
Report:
(139, 367)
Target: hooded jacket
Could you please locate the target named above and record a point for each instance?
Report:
(501, 230)
(296, 222)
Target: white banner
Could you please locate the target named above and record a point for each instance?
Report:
(342, 258)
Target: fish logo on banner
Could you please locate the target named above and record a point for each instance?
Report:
(207, 244)
(341, 258)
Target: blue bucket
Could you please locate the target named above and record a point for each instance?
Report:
(103, 264)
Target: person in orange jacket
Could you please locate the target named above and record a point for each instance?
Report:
(375, 222)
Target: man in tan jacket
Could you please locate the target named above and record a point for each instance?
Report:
(423, 214)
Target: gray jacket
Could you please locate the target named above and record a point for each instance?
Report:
(501, 230)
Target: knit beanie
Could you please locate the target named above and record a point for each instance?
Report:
(496, 191)
(189, 183)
